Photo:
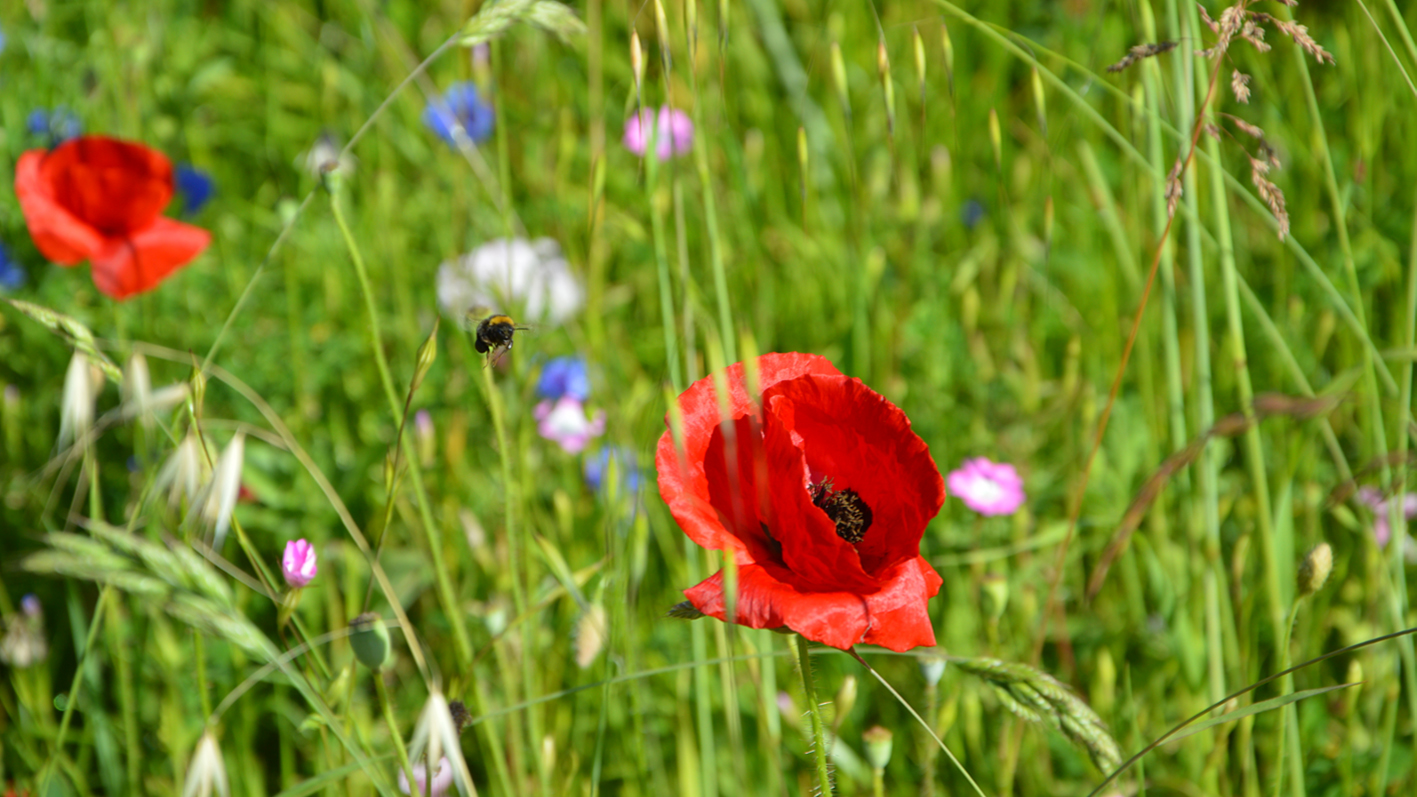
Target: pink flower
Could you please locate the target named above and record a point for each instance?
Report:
(1382, 530)
(674, 135)
(986, 487)
(442, 778)
(298, 563)
(564, 422)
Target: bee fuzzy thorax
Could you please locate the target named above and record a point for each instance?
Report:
(493, 335)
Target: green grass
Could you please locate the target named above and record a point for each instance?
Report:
(1000, 338)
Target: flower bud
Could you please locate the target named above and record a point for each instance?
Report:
(994, 596)
(427, 353)
(1314, 570)
(838, 65)
(878, 746)
(370, 641)
(298, 565)
(933, 669)
(845, 699)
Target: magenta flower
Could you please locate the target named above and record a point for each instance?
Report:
(565, 423)
(1382, 530)
(674, 134)
(442, 778)
(298, 563)
(988, 488)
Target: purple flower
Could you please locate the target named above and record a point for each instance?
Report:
(986, 487)
(195, 185)
(442, 778)
(1382, 529)
(564, 376)
(595, 468)
(674, 133)
(564, 422)
(29, 604)
(298, 564)
(462, 107)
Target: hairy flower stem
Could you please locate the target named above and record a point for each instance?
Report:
(463, 644)
(819, 731)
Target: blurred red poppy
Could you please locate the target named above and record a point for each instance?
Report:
(100, 199)
(820, 491)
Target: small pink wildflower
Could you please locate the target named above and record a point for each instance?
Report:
(988, 488)
(564, 422)
(442, 778)
(674, 133)
(1382, 530)
(298, 564)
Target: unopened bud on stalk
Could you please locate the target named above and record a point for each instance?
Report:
(918, 44)
(427, 353)
(1314, 570)
(994, 596)
(878, 746)
(949, 56)
(839, 79)
(845, 700)
(883, 65)
(996, 139)
(370, 641)
(933, 669)
(661, 25)
(1039, 101)
(637, 61)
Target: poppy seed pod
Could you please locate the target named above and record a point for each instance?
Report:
(878, 746)
(369, 638)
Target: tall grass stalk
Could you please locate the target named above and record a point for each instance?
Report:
(1397, 594)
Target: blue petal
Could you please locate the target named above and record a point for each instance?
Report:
(196, 187)
(12, 275)
(564, 376)
(594, 469)
(461, 104)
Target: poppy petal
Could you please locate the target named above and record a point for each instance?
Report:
(855, 437)
(819, 559)
(137, 264)
(116, 187)
(58, 234)
(683, 483)
(894, 617)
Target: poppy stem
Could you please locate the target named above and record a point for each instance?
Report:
(819, 731)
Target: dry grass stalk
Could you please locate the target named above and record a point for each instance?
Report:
(1265, 405)
(1270, 193)
(1173, 187)
(1140, 52)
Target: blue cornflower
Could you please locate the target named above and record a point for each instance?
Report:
(595, 468)
(971, 213)
(195, 185)
(12, 275)
(562, 377)
(58, 125)
(460, 105)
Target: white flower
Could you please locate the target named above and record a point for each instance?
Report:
(512, 272)
(324, 155)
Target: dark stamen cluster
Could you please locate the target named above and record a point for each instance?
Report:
(845, 508)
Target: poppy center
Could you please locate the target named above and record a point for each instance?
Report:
(845, 508)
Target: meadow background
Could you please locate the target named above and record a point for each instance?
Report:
(973, 248)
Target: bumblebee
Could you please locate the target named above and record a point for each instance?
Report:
(493, 336)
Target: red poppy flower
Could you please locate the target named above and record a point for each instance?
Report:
(821, 492)
(100, 199)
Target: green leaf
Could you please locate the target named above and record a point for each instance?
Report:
(1253, 708)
